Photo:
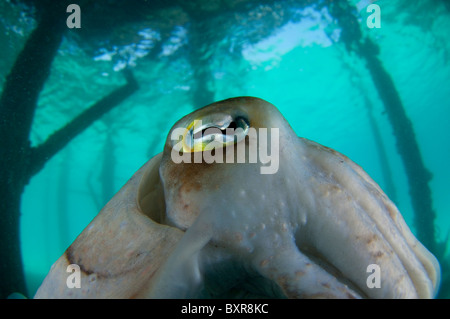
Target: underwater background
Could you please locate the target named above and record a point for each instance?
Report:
(295, 54)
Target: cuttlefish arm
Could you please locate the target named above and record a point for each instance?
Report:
(355, 213)
(304, 222)
(315, 226)
(119, 252)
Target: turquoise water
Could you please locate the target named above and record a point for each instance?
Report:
(319, 87)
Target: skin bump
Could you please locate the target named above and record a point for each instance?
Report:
(209, 221)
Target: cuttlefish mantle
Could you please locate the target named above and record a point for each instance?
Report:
(221, 228)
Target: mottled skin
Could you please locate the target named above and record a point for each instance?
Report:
(195, 229)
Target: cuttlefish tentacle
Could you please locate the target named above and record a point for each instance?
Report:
(299, 277)
(312, 227)
(373, 222)
(181, 277)
(121, 249)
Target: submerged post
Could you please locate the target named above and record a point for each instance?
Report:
(406, 142)
(408, 148)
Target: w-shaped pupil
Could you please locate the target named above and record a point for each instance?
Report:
(201, 133)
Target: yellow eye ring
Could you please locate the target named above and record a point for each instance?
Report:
(214, 131)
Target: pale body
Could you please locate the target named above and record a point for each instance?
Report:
(224, 229)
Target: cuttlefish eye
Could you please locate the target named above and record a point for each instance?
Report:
(318, 228)
(214, 131)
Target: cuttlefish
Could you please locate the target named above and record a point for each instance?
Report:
(237, 205)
